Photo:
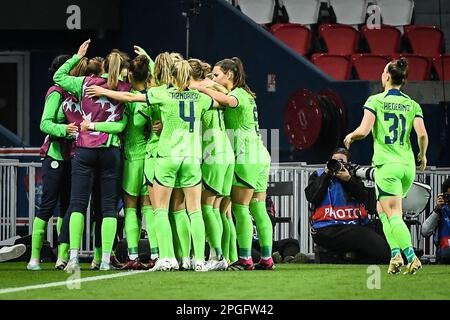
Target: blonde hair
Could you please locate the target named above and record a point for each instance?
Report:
(199, 69)
(181, 74)
(176, 56)
(80, 69)
(115, 62)
(163, 66)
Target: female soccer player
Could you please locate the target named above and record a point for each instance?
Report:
(391, 115)
(56, 166)
(179, 153)
(251, 171)
(94, 150)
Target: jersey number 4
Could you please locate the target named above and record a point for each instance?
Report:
(393, 129)
(191, 117)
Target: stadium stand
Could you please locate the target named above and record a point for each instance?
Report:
(419, 66)
(337, 66)
(339, 38)
(425, 40)
(296, 36)
(351, 12)
(396, 13)
(305, 12)
(260, 11)
(441, 64)
(385, 40)
(369, 66)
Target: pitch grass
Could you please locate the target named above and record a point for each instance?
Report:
(287, 282)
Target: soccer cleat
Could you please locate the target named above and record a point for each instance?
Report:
(241, 265)
(151, 263)
(114, 263)
(396, 264)
(161, 265)
(174, 264)
(200, 266)
(217, 264)
(265, 264)
(135, 264)
(105, 266)
(95, 265)
(60, 264)
(185, 264)
(72, 266)
(414, 266)
(33, 266)
(12, 252)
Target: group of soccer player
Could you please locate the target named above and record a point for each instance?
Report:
(177, 140)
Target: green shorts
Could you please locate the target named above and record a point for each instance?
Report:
(178, 172)
(253, 174)
(149, 170)
(394, 179)
(217, 173)
(133, 181)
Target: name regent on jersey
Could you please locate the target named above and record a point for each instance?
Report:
(185, 95)
(389, 106)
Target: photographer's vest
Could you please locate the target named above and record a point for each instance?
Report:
(442, 232)
(98, 109)
(65, 145)
(336, 209)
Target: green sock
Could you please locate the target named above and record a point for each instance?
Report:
(244, 230)
(402, 236)
(225, 241)
(164, 233)
(37, 237)
(132, 233)
(147, 211)
(387, 230)
(198, 234)
(183, 232)
(233, 248)
(59, 222)
(76, 227)
(175, 238)
(109, 228)
(212, 229)
(219, 221)
(63, 251)
(98, 254)
(263, 227)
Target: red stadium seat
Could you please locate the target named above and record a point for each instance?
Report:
(296, 36)
(419, 67)
(369, 66)
(385, 40)
(337, 66)
(441, 64)
(425, 40)
(339, 38)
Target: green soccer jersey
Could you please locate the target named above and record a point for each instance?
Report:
(215, 139)
(395, 113)
(243, 120)
(134, 136)
(181, 114)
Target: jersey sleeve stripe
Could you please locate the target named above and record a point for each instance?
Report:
(211, 106)
(147, 98)
(418, 116)
(232, 95)
(371, 110)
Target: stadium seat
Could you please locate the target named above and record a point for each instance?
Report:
(351, 12)
(260, 11)
(339, 38)
(337, 66)
(396, 13)
(419, 67)
(425, 40)
(441, 64)
(304, 12)
(296, 36)
(369, 66)
(385, 40)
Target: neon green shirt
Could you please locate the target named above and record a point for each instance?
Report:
(215, 139)
(395, 113)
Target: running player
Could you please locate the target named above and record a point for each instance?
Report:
(252, 163)
(391, 115)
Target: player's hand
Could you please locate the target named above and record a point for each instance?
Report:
(343, 175)
(422, 159)
(139, 51)
(440, 201)
(195, 86)
(94, 91)
(83, 48)
(84, 126)
(348, 140)
(71, 129)
(157, 127)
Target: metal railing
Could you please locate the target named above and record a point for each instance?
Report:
(293, 206)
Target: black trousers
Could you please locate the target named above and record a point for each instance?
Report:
(369, 246)
(56, 185)
(105, 165)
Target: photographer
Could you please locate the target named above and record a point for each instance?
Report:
(339, 218)
(439, 224)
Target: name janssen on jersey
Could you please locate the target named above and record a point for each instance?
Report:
(185, 95)
(395, 107)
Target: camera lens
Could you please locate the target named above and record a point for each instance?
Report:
(334, 165)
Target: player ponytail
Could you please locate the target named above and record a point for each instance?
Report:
(115, 62)
(199, 69)
(80, 68)
(163, 68)
(139, 67)
(181, 74)
(95, 67)
(398, 70)
(236, 67)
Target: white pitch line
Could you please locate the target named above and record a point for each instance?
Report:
(70, 282)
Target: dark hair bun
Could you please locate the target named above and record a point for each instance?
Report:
(57, 63)
(402, 63)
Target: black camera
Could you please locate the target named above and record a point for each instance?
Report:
(334, 166)
(446, 197)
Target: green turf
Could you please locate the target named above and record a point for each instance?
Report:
(288, 281)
